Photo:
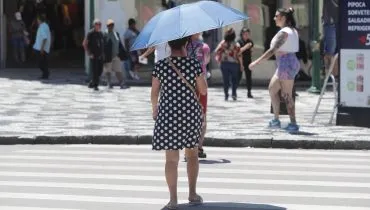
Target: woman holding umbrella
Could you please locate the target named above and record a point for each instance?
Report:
(284, 45)
(178, 114)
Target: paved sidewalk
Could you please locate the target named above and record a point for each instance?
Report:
(60, 111)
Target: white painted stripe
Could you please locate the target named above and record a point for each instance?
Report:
(120, 169)
(161, 161)
(238, 149)
(30, 208)
(159, 155)
(136, 200)
(213, 191)
(110, 176)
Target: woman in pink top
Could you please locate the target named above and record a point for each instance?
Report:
(199, 50)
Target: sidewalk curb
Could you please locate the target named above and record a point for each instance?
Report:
(212, 142)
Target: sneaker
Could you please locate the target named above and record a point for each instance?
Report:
(275, 123)
(136, 76)
(132, 74)
(292, 128)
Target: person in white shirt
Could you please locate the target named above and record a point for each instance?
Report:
(284, 45)
(161, 51)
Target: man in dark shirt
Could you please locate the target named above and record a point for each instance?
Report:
(94, 46)
(246, 45)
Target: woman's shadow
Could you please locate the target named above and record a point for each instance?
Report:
(230, 206)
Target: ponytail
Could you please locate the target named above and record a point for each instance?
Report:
(288, 13)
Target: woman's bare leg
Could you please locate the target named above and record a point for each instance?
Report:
(172, 163)
(286, 90)
(274, 89)
(193, 170)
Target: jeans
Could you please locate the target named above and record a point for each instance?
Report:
(127, 66)
(19, 49)
(230, 73)
(330, 39)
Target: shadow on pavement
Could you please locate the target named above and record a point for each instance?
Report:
(302, 133)
(210, 162)
(230, 206)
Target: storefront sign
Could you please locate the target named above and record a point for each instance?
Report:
(355, 53)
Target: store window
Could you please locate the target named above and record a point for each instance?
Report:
(261, 23)
(302, 16)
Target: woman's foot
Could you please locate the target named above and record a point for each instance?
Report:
(275, 123)
(292, 128)
(195, 200)
(170, 206)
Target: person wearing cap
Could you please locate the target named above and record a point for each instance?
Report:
(94, 47)
(112, 61)
(18, 37)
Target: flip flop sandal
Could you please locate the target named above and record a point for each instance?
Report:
(170, 206)
(197, 200)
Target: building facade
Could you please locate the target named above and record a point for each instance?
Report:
(261, 21)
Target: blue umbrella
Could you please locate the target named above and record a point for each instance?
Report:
(186, 20)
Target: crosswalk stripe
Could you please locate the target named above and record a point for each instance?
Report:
(203, 190)
(230, 156)
(148, 168)
(126, 160)
(237, 149)
(33, 178)
(202, 170)
(136, 200)
(98, 176)
(30, 208)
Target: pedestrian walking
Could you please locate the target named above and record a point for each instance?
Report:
(42, 46)
(132, 63)
(178, 115)
(199, 50)
(94, 46)
(330, 20)
(228, 54)
(19, 38)
(284, 46)
(112, 62)
(246, 46)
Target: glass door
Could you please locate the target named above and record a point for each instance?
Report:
(2, 35)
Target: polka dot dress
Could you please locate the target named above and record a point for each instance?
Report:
(179, 120)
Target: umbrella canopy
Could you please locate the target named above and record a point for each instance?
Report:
(186, 20)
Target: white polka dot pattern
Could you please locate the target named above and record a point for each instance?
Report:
(179, 120)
